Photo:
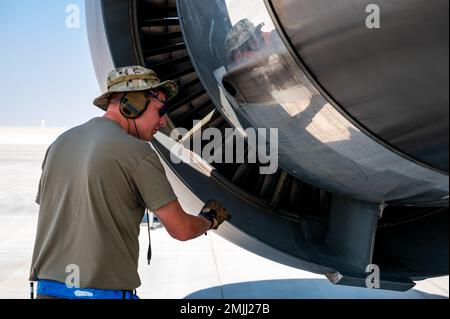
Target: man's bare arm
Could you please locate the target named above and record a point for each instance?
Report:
(181, 225)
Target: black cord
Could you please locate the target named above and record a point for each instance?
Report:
(149, 251)
(137, 131)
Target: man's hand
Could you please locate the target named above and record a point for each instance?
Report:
(215, 213)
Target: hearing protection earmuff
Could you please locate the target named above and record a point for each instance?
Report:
(133, 104)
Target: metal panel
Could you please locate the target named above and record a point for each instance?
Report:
(393, 80)
(267, 88)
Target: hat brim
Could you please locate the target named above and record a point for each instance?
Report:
(169, 87)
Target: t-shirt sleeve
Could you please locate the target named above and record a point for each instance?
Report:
(38, 195)
(152, 184)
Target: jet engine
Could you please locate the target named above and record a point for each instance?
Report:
(356, 93)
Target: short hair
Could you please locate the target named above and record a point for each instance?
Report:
(115, 97)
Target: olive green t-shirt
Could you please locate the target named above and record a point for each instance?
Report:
(96, 180)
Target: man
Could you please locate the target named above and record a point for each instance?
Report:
(245, 42)
(97, 179)
(248, 71)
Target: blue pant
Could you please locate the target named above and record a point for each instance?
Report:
(60, 290)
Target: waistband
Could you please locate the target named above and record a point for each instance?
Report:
(60, 290)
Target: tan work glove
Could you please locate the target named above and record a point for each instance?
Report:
(215, 213)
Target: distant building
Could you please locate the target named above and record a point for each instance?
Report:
(18, 135)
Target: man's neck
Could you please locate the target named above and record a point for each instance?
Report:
(119, 119)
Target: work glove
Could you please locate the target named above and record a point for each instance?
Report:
(215, 213)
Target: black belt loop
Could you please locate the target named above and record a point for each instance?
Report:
(31, 290)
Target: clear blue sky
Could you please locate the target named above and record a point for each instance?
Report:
(47, 72)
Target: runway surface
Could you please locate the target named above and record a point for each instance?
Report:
(207, 267)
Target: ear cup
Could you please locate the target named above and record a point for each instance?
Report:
(133, 104)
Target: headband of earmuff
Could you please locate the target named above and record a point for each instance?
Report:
(133, 104)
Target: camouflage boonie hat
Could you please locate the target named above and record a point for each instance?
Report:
(134, 78)
(240, 33)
